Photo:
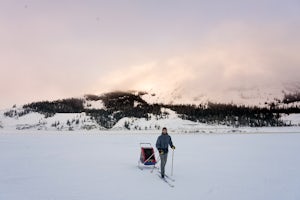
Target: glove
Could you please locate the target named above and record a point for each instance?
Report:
(161, 152)
(173, 147)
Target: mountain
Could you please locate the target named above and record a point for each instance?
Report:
(252, 95)
(136, 110)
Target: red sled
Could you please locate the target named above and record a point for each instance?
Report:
(147, 157)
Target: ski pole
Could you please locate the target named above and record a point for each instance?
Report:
(172, 162)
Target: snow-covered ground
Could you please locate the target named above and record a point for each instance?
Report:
(92, 165)
(294, 119)
(60, 121)
(83, 122)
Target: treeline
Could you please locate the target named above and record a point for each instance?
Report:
(118, 105)
(48, 108)
(228, 114)
(108, 118)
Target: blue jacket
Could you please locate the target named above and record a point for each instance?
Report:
(163, 142)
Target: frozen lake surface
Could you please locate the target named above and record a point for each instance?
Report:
(62, 165)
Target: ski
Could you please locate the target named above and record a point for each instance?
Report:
(166, 181)
(168, 177)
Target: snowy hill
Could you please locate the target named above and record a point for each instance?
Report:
(60, 121)
(75, 121)
(139, 111)
(251, 96)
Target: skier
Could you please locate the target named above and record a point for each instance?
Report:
(162, 144)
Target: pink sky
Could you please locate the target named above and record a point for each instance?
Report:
(58, 49)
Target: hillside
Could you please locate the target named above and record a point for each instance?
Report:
(132, 111)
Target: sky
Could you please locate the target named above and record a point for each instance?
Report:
(220, 50)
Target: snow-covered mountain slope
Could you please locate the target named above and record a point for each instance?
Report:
(170, 119)
(251, 96)
(75, 121)
(60, 121)
(128, 111)
(293, 119)
(98, 104)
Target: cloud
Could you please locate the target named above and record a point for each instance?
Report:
(58, 50)
(161, 75)
(234, 61)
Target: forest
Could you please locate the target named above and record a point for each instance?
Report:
(125, 104)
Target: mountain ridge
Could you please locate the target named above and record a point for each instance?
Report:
(107, 110)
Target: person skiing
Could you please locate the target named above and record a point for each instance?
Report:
(162, 145)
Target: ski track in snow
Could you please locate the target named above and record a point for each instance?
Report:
(84, 165)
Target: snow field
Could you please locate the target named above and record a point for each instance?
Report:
(101, 165)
